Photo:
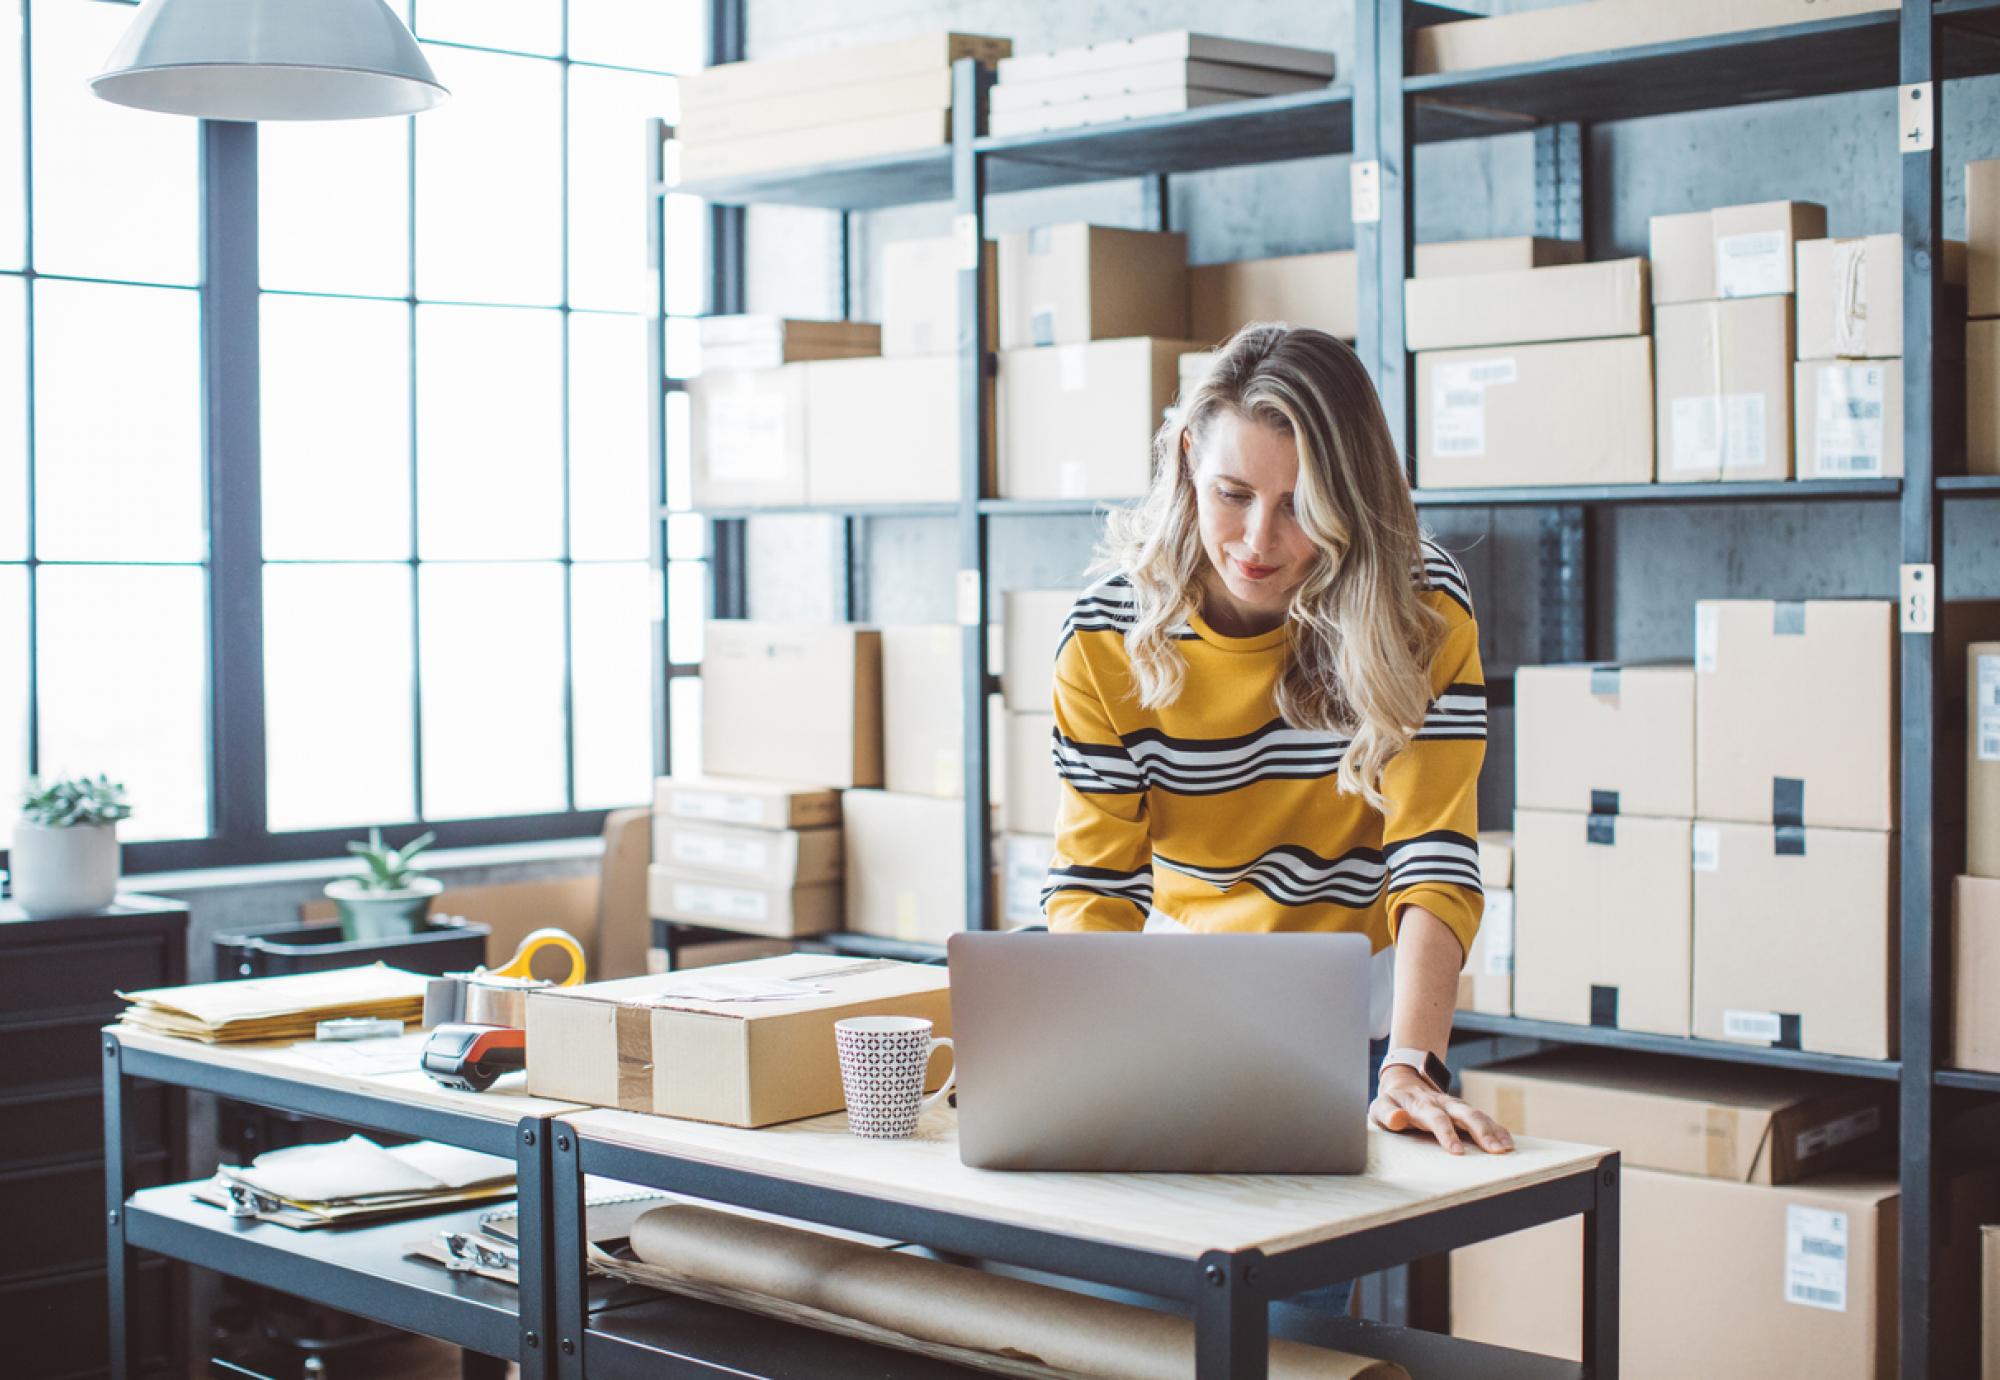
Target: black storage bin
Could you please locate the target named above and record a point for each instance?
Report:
(448, 944)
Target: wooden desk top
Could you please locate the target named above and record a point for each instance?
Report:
(507, 1100)
(1182, 1215)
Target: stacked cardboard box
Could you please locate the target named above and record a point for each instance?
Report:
(1604, 794)
(1159, 74)
(1092, 325)
(1723, 282)
(1534, 376)
(1975, 973)
(825, 107)
(764, 341)
(1486, 983)
(1982, 332)
(793, 702)
(755, 857)
(905, 861)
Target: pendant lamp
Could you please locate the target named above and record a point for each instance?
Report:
(269, 60)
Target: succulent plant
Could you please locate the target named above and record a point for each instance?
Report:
(74, 801)
(389, 869)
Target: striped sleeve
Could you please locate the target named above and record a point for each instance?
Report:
(1429, 836)
(1101, 875)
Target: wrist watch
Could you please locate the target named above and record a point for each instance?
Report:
(1428, 1066)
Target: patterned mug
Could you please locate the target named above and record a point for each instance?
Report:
(882, 1064)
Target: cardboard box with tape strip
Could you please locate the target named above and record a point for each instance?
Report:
(695, 1046)
(792, 702)
(1723, 1121)
(1793, 937)
(744, 905)
(1605, 739)
(905, 863)
(1574, 412)
(1077, 421)
(1982, 759)
(1975, 973)
(1851, 296)
(1566, 302)
(1723, 390)
(1072, 284)
(1602, 920)
(1849, 418)
(1731, 251)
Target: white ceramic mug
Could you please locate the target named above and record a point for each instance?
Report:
(882, 1064)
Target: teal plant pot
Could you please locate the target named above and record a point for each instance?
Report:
(367, 915)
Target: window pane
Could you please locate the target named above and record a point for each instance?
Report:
(13, 209)
(489, 181)
(115, 188)
(123, 672)
(686, 231)
(687, 537)
(607, 184)
(525, 26)
(680, 456)
(687, 607)
(492, 667)
(13, 693)
(333, 205)
(612, 632)
(609, 492)
(489, 433)
(683, 347)
(659, 34)
(684, 703)
(13, 419)
(336, 422)
(118, 473)
(337, 695)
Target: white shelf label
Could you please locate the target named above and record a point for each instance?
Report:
(1364, 191)
(1919, 598)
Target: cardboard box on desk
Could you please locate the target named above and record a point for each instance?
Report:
(748, 438)
(1731, 251)
(769, 857)
(1975, 973)
(1723, 390)
(1072, 284)
(746, 905)
(1077, 421)
(749, 803)
(1575, 412)
(1567, 302)
(920, 313)
(905, 866)
(740, 1063)
(1775, 742)
(793, 701)
(1605, 739)
(1539, 35)
(1721, 1121)
(1794, 938)
(1982, 759)
(853, 457)
(1316, 290)
(1034, 621)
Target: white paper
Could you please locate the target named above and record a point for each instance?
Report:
(1751, 265)
(697, 986)
(721, 902)
(1707, 636)
(1762, 1026)
(709, 850)
(1847, 408)
(1988, 713)
(1707, 848)
(720, 806)
(366, 1058)
(746, 436)
(1816, 1257)
(1458, 404)
(1496, 926)
(359, 1168)
(1817, 1140)
(453, 1166)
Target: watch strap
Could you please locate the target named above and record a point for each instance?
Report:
(1427, 1065)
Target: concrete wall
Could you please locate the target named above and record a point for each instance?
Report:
(1650, 564)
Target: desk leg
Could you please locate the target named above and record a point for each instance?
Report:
(1232, 1319)
(531, 1202)
(1600, 1277)
(569, 1273)
(118, 1257)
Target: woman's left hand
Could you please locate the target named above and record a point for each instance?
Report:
(1408, 1103)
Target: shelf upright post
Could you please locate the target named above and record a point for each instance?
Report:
(728, 538)
(1924, 969)
(976, 366)
(656, 437)
(1363, 207)
(1395, 232)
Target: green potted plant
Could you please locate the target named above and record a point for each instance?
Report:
(64, 857)
(390, 896)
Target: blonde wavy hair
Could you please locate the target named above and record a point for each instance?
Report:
(1357, 660)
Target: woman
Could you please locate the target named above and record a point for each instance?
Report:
(1271, 716)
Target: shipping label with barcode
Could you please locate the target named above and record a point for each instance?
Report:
(1816, 1257)
(1753, 265)
(1458, 405)
(1817, 1140)
(1762, 1026)
(1848, 415)
(720, 806)
(1986, 725)
(1707, 848)
(1496, 927)
(711, 850)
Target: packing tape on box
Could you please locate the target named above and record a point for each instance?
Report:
(1789, 841)
(1601, 830)
(635, 1058)
(1604, 681)
(1788, 801)
(1603, 802)
(1850, 297)
(1719, 1142)
(1604, 1005)
(1788, 618)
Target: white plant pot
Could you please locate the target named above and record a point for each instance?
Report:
(64, 871)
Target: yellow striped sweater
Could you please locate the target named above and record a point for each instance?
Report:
(1222, 816)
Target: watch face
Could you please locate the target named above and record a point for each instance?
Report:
(1437, 1072)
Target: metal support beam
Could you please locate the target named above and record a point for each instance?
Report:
(1232, 1319)
(1155, 208)
(119, 1259)
(1600, 1276)
(656, 442)
(1563, 604)
(1559, 176)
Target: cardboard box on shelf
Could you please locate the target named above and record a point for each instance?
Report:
(1110, 109)
(1723, 390)
(747, 438)
(1982, 759)
(1496, 859)
(1172, 74)
(1773, 742)
(728, 852)
(1077, 421)
(1024, 871)
(1486, 982)
(926, 89)
(1317, 290)
(752, 804)
(1982, 238)
(1034, 621)
(1975, 973)
(669, 1045)
(765, 341)
(1034, 790)
(851, 457)
(1793, 938)
(1451, 258)
(1731, 251)
(1605, 739)
(1576, 412)
(745, 905)
(836, 141)
(1175, 45)
(1982, 397)
(905, 866)
(923, 712)
(1851, 295)
(1072, 284)
(1567, 302)
(850, 67)
(792, 702)
(1722, 1121)
(1565, 30)
(920, 312)
(1602, 920)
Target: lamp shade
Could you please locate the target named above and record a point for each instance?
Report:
(269, 60)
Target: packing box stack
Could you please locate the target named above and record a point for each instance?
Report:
(763, 341)
(905, 865)
(1982, 332)
(1159, 74)
(793, 702)
(745, 118)
(1486, 982)
(1723, 287)
(755, 857)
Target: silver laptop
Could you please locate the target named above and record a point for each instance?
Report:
(1237, 1054)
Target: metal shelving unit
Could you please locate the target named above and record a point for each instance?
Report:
(1381, 118)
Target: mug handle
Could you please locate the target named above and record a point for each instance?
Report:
(950, 1079)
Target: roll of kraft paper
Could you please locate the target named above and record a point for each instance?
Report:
(1006, 1325)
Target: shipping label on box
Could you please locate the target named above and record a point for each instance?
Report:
(753, 804)
(1850, 419)
(747, 905)
(1605, 739)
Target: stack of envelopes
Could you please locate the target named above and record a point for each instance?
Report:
(276, 1008)
(1159, 74)
(356, 1180)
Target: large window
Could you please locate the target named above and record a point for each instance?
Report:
(452, 551)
